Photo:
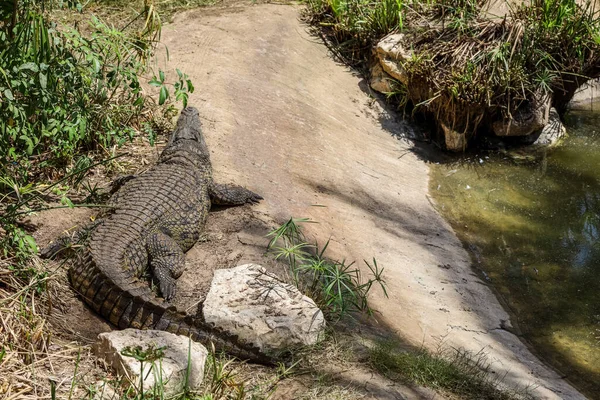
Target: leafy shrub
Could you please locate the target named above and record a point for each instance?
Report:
(63, 92)
(355, 25)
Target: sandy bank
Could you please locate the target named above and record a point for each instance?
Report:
(283, 118)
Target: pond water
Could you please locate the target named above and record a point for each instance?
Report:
(532, 225)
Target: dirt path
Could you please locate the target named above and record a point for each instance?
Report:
(284, 119)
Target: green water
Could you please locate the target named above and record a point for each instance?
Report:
(532, 225)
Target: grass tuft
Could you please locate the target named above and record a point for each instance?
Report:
(455, 371)
(337, 287)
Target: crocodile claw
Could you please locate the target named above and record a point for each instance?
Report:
(254, 198)
(167, 289)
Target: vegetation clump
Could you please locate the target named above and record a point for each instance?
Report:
(468, 68)
(65, 90)
(337, 287)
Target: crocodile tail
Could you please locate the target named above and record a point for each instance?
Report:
(136, 308)
(202, 332)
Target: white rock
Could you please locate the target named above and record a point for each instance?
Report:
(391, 54)
(173, 365)
(261, 309)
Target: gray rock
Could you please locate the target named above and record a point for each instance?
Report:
(260, 309)
(587, 95)
(171, 369)
(550, 135)
(526, 121)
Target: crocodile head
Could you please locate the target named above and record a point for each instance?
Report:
(188, 126)
(188, 133)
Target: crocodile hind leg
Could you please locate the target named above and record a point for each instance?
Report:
(120, 181)
(167, 262)
(115, 189)
(232, 195)
(69, 240)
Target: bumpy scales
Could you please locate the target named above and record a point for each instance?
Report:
(156, 217)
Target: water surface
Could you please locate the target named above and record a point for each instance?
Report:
(532, 225)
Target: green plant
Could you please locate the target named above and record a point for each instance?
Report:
(65, 91)
(182, 87)
(74, 381)
(62, 91)
(355, 24)
(458, 12)
(221, 378)
(152, 356)
(337, 287)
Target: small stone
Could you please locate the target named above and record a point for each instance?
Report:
(455, 141)
(262, 310)
(381, 81)
(173, 364)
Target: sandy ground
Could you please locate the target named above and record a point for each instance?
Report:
(284, 119)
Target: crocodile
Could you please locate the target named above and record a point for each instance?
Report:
(153, 219)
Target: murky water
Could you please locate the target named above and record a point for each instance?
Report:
(532, 225)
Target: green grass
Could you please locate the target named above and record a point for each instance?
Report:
(353, 26)
(458, 372)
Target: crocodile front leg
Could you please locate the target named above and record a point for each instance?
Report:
(232, 195)
(167, 262)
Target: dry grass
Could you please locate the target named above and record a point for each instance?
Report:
(42, 354)
(463, 79)
(32, 355)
